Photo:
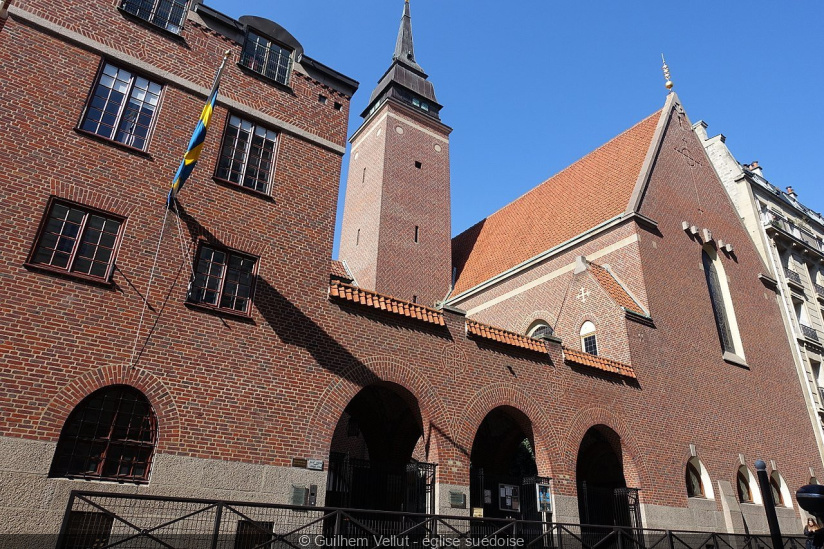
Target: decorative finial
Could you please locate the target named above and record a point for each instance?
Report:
(669, 83)
(227, 54)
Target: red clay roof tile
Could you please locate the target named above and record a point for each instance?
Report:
(599, 362)
(594, 189)
(338, 270)
(617, 292)
(477, 329)
(375, 300)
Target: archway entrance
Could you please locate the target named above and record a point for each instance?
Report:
(603, 496)
(378, 458)
(502, 467)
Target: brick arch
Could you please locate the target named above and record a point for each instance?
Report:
(526, 320)
(505, 394)
(338, 394)
(61, 405)
(635, 471)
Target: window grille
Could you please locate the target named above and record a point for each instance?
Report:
(77, 240)
(266, 57)
(247, 157)
(223, 279)
(110, 435)
(166, 14)
(122, 107)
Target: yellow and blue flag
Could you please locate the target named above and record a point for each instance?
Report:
(199, 135)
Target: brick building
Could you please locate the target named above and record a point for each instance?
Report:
(596, 335)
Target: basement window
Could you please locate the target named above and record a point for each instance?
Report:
(418, 164)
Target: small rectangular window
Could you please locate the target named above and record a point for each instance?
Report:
(338, 106)
(590, 344)
(322, 99)
(122, 107)
(267, 58)
(248, 155)
(77, 240)
(166, 14)
(417, 233)
(418, 165)
(223, 279)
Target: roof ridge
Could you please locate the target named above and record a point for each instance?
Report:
(596, 361)
(395, 300)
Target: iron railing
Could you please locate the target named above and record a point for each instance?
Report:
(809, 332)
(819, 289)
(125, 521)
(793, 277)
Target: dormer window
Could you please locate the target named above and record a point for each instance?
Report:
(589, 343)
(267, 58)
(166, 14)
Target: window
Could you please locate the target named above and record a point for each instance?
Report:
(77, 240)
(743, 482)
(780, 490)
(588, 342)
(266, 57)
(248, 155)
(722, 309)
(122, 107)
(166, 14)
(801, 312)
(223, 280)
(110, 435)
(539, 330)
(695, 487)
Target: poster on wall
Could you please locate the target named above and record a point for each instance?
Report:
(510, 497)
(544, 498)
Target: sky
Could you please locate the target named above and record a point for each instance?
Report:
(530, 86)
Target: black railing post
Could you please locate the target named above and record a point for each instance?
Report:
(218, 518)
(337, 523)
(769, 504)
(618, 531)
(670, 540)
(65, 525)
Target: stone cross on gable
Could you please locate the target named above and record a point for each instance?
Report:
(583, 295)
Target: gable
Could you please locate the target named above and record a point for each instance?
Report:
(593, 190)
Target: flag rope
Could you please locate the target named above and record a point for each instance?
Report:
(133, 360)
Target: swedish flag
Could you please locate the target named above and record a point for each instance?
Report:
(199, 135)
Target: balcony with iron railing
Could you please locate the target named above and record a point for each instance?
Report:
(794, 278)
(809, 332)
(819, 291)
(821, 398)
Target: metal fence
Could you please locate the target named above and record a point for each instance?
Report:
(105, 520)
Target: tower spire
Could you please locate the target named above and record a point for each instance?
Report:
(404, 48)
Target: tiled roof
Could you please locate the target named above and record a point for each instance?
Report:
(594, 189)
(475, 328)
(614, 289)
(599, 362)
(338, 270)
(386, 303)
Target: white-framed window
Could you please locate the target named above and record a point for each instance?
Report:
(747, 486)
(247, 156)
(589, 342)
(539, 329)
(698, 480)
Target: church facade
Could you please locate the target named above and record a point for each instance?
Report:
(619, 352)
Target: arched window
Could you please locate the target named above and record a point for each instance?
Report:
(110, 435)
(780, 491)
(698, 480)
(747, 487)
(722, 308)
(813, 480)
(589, 344)
(539, 330)
(695, 488)
(743, 483)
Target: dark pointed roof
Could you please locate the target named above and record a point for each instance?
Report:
(404, 48)
(405, 75)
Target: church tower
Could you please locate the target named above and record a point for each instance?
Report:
(396, 220)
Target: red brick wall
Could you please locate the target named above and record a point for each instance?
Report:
(274, 387)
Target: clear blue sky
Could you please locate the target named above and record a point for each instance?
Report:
(530, 86)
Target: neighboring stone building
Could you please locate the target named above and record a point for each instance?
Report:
(790, 238)
(230, 360)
